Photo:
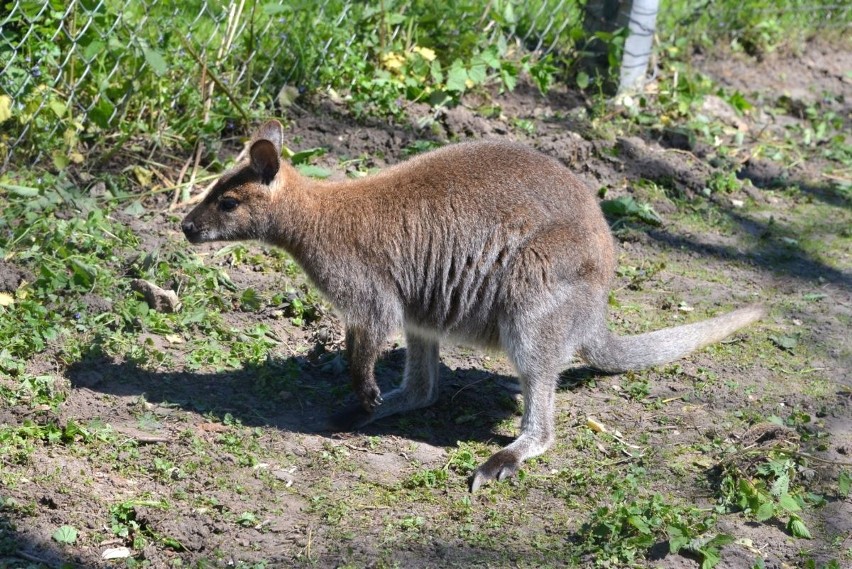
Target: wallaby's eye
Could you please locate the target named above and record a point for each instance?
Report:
(228, 204)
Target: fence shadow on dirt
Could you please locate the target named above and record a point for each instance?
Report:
(37, 554)
(23, 550)
(773, 245)
(765, 245)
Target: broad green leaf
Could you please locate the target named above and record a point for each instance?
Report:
(303, 156)
(491, 57)
(785, 342)
(626, 206)
(457, 77)
(798, 528)
(639, 524)
(58, 107)
(287, 96)
(23, 191)
(250, 300)
(436, 73)
(247, 519)
(677, 538)
(583, 80)
(765, 511)
(313, 171)
(781, 485)
(60, 159)
(509, 13)
(720, 540)
(65, 534)
(84, 274)
(844, 483)
(478, 71)
(135, 209)
(155, 60)
(93, 49)
(509, 75)
(789, 503)
(740, 103)
(143, 175)
(711, 558)
(102, 112)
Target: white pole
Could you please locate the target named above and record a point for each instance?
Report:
(639, 43)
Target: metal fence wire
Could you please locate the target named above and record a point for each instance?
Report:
(94, 74)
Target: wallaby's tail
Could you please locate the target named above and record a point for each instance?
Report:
(614, 354)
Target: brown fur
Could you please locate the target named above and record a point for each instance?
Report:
(490, 243)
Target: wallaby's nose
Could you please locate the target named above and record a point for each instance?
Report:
(189, 230)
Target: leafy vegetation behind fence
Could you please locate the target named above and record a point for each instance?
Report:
(79, 79)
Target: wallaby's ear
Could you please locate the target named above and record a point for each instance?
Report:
(265, 150)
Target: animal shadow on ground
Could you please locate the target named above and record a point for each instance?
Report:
(295, 394)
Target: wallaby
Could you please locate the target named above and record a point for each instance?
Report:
(489, 243)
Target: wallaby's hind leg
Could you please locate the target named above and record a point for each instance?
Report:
(537, 426)
(539, 351)
(419, 387)
(552, 301)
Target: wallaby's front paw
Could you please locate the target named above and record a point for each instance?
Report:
(500, 466)
(370, 397)
(350, 419)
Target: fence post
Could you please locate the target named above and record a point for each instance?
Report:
(639, 18)
(639, 44)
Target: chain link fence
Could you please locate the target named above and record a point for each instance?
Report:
(81, 78)
(67, 64)
(103, 71)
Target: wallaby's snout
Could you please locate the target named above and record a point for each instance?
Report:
(239, 205)
(189, 230)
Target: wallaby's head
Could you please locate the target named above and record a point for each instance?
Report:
(239, 205)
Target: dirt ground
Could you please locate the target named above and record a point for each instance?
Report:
(305, 474)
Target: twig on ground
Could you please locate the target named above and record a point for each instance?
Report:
(33, 558)
(178, 184)
(187, 189)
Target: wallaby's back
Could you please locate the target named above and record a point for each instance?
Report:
(447, 232)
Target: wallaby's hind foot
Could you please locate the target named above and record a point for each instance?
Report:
(370, 397)
(534, 440)
(502, 464)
